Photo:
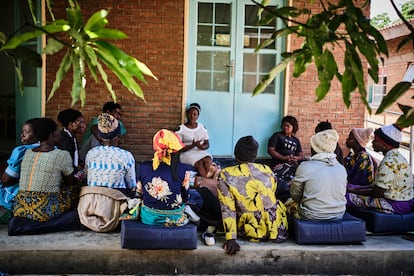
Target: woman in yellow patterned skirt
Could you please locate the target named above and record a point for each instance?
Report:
(47, 188)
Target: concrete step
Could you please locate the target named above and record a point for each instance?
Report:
(86, 252)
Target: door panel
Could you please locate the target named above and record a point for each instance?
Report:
(29, 103)
(224, 69)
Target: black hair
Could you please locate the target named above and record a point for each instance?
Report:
(110, 107)
(68, 116)
(194, 105)
(44, 127)
(32, 123)
(291, 120)
(323, 126)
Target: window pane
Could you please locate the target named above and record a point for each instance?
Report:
(223, 13)
(213, 24)
(205, 13)
(204, 60)
(204, 36)
(255, 67)
(212, 71)
(203, 81)
(221, 82)
(254, 35)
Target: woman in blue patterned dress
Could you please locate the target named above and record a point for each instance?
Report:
(164, 183)
(360, 165)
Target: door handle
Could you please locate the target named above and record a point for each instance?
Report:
(231, 65)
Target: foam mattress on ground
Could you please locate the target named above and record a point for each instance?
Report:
(377, 222)
(348, 230)
(136, 235)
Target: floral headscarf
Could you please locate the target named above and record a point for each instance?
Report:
(108, 127)
(165, 143)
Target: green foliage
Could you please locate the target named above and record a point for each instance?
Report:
(339, 26)
(86, 45)
(381, 20)
(407, 10)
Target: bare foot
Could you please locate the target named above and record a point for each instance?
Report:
(212, 170)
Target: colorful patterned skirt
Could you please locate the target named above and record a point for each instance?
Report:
(42, 206)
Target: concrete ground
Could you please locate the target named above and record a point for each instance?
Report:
(86, 252)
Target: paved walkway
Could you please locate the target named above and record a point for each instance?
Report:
(86, 252)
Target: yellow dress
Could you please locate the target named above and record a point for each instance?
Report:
(249, 206)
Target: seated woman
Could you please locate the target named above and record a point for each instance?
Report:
(360, 165)
(285, 149)
(247, 197)
(73, 124)
(392, 191)
(9, 184)
(324, 125)
(195, 137)
(319, 186)
(47, 189)
(110, 174)
(164, 183)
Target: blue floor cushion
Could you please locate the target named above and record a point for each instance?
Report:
(136, 235)
(382, 223)
(23, 226)
(349, 230)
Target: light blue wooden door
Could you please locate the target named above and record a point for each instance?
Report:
(223, 71)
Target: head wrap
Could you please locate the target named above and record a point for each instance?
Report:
(108, 127)
(390, 135)
(165, 143)
(363, 135)
(246, 149)
(325, 141)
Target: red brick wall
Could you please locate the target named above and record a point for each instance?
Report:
(156, 37)
(395, 67)
(301, 98)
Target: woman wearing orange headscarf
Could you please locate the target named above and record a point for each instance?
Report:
(164, 183)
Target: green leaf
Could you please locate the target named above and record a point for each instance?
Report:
(144, 69)
(74, 16)
(407, 119)
(91, 60)
(32, 11)
(404, 41)
(125, 61)
(19, 39)
(49, 4)
(64, 66)
(53, 46)
(27, 55)
(392, 96)
(322, 90)
(106, 81)
(271, 76)
(77, 80)
(3, 38)
(106, 34)
(20, 78)
(123, 75)
(97, 21)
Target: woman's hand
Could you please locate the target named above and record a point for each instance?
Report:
(200, 144)
(231, 247)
